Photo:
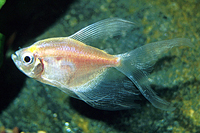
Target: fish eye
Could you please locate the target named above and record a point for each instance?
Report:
(28, 58)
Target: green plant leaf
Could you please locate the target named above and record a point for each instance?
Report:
(2, 2)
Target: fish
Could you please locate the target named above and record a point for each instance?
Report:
(102, 80)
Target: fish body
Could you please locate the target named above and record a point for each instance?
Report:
(68, 63)
(91, 74)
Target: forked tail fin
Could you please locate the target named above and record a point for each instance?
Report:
(135, 65)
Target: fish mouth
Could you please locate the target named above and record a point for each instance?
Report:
(14, 57)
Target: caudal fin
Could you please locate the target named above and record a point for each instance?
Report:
(135, 65)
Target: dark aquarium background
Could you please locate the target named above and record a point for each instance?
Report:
(29, 106)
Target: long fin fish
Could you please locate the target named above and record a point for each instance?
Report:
(104, 81)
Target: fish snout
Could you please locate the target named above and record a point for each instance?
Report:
(14, 56)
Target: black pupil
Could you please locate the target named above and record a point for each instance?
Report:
(27, 59)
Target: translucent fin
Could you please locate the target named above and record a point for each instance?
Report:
(69, 92)
(147, 55)
(102, 29)
(113, 92)
(134, 64)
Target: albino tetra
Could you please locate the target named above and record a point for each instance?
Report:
(91, 74)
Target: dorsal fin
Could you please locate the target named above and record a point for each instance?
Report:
(102, 29)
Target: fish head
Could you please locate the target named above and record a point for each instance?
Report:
(28, 62)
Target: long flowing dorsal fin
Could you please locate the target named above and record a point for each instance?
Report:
(102, 29)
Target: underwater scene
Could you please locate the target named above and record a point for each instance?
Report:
(127, 66)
